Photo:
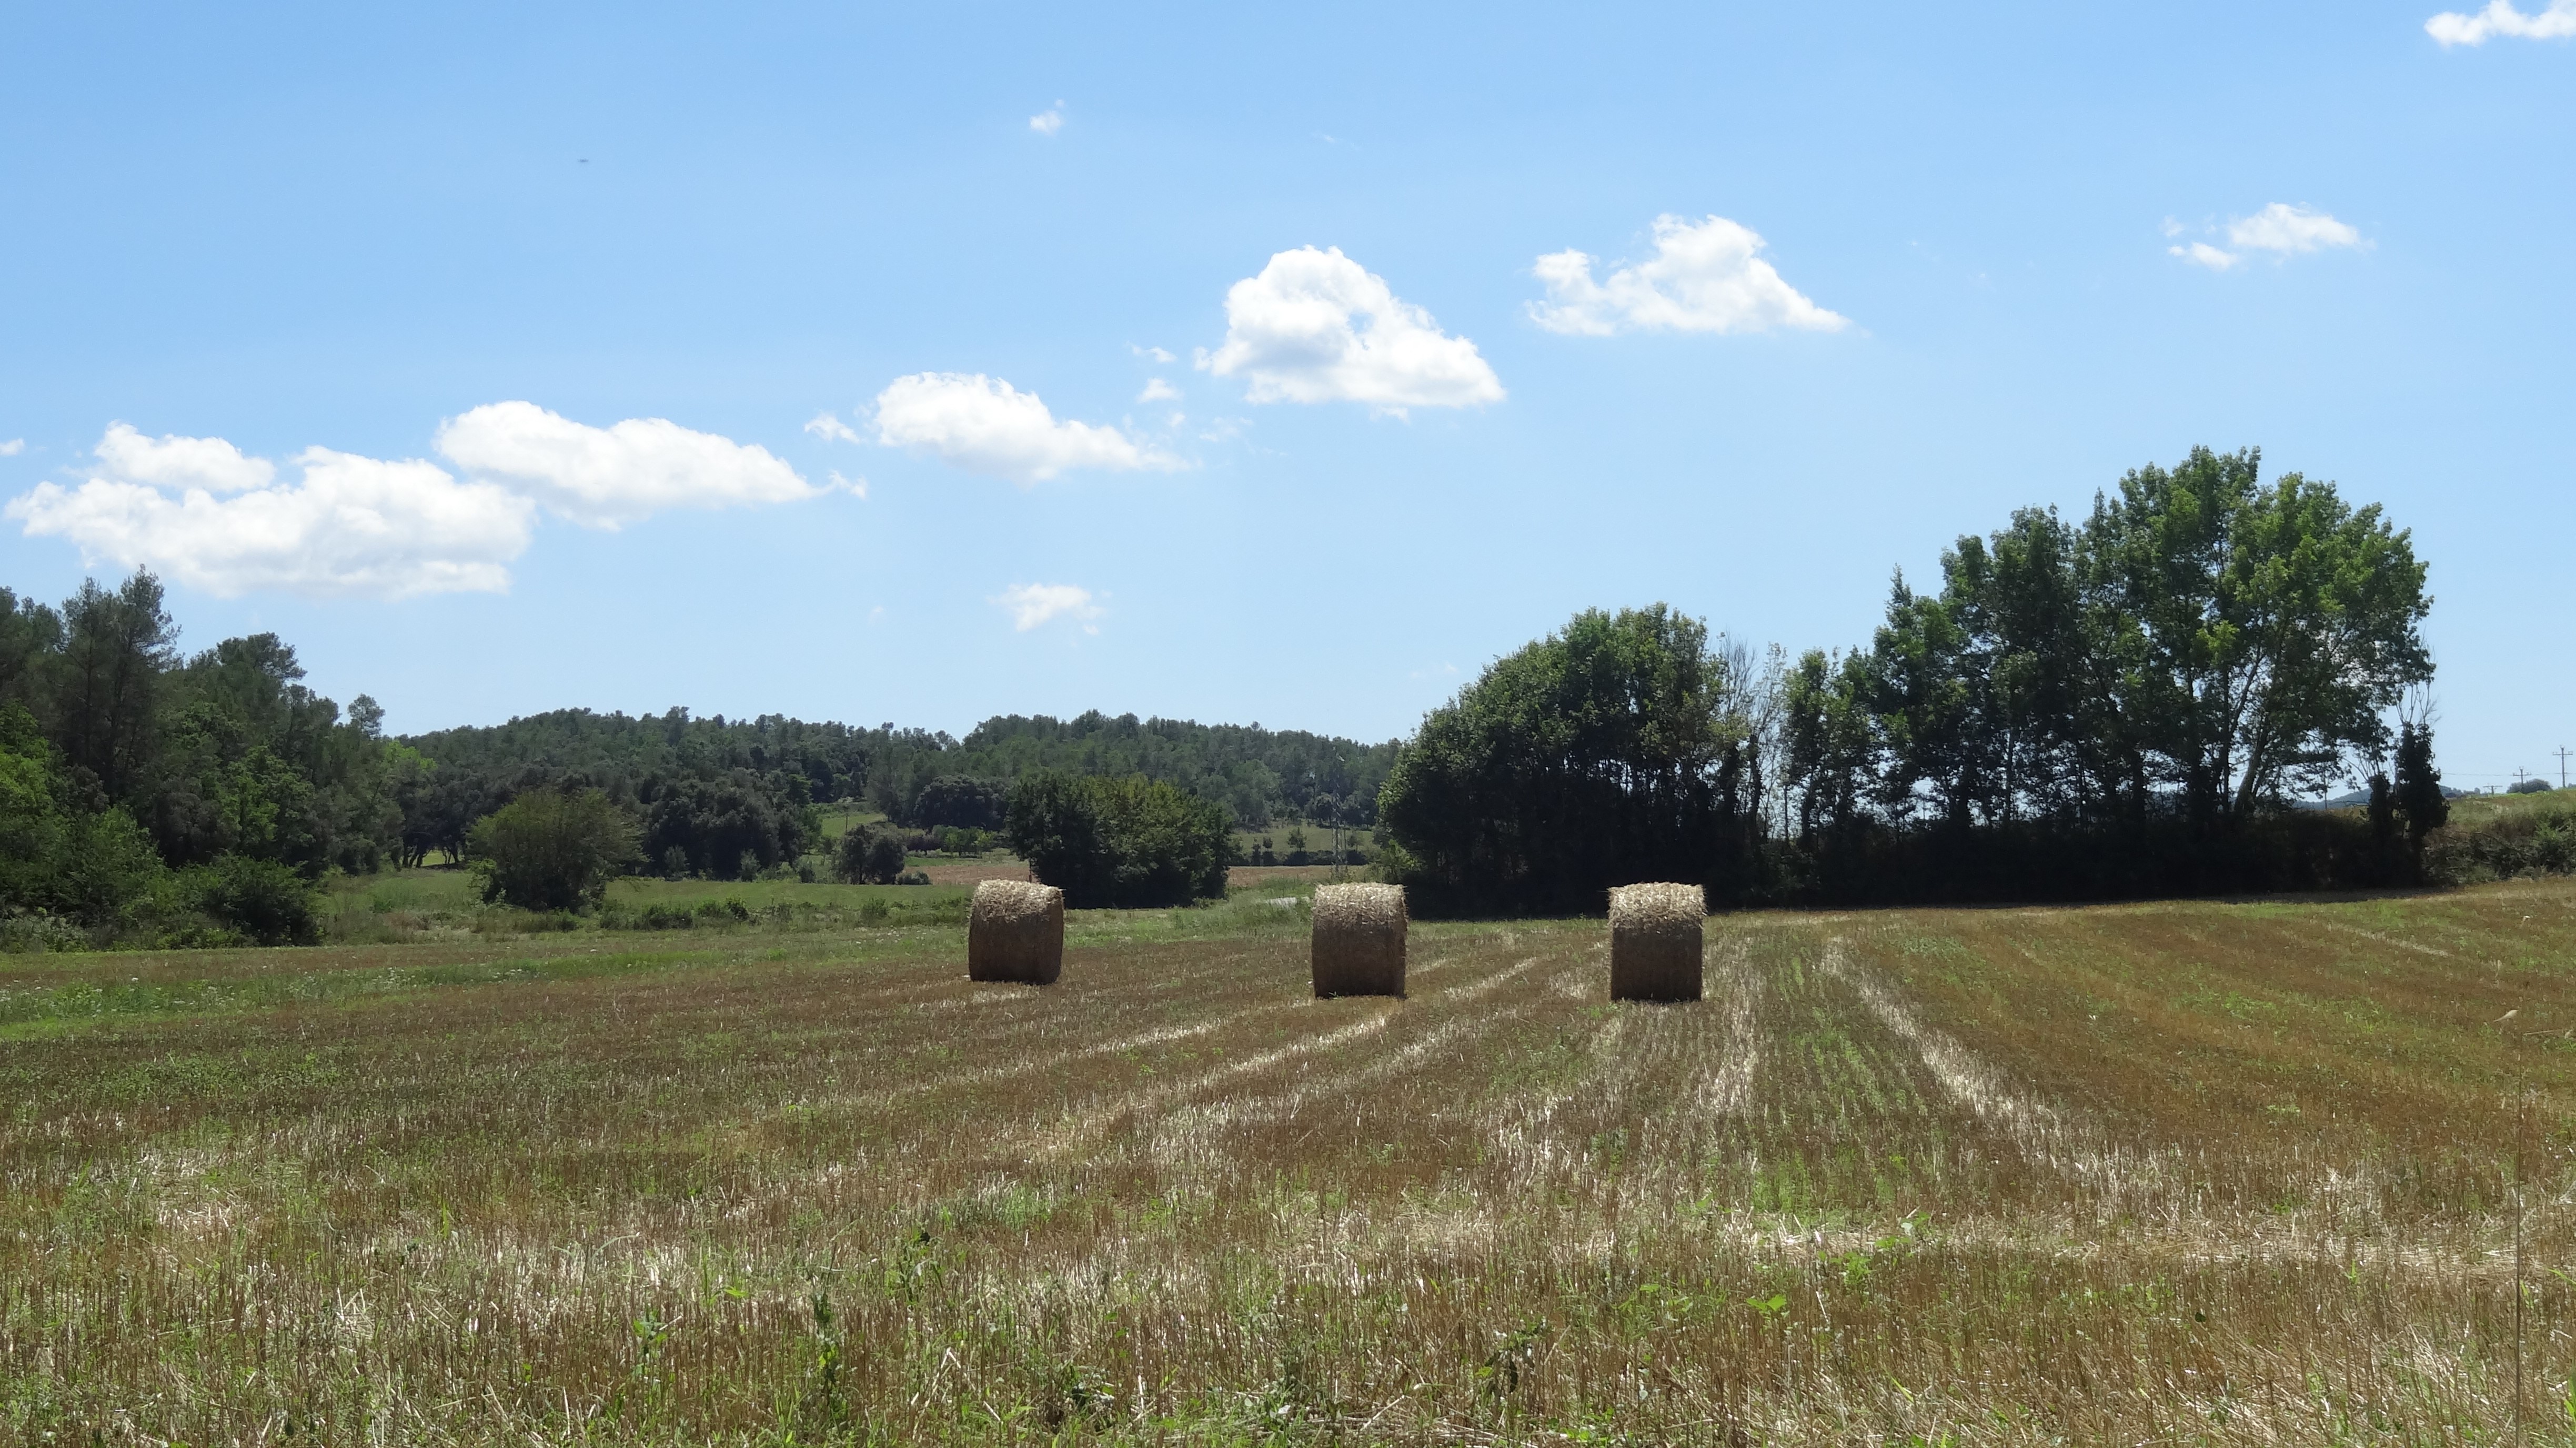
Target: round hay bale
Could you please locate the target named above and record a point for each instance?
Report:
(1015, 932)
(1655, 942)
(1358, 945)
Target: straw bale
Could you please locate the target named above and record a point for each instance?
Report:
(1655, 942)
(1358, 946)
(1015, 932)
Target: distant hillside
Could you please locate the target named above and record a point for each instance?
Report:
(1254, 772)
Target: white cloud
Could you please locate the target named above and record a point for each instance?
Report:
(1048, 122)
(604, 477)
(2280, 228)
(1705, 276)
(1316, 327)
(350, 525)
(2500, 18)
(2201, 253)
(1031, 604)
(2288, 229)
(13, 447)
(985, 425)
(1157, 353)
(209, 463)
(1158, 390)
(830, 428)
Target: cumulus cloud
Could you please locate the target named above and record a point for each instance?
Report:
(2281, 229)
(209, 463)
(1031, 604)
(1315, 326)
(603, 477)
(1705, 276)
(985, 425)
(2500, 18)
(348, 525)
(1157, 353)
(204, 512)
(13, 447)
(1048, 122)
(1158, 390)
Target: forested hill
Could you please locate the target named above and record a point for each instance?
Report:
(611, 750)
(1254, 772)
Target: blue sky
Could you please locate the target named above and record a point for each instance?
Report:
(791, 358)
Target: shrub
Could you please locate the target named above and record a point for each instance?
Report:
(2529, 842)
(913, 877)
(868, 855)
(261, 901)
(552, 849)
(1128, 842)
(2528, 786)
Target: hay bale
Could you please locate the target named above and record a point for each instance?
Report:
(1015, 932)
(1655, 942)
(1358, 946)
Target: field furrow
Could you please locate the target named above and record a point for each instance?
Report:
(2229, 1173)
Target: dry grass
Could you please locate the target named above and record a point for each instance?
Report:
(2168, 1173)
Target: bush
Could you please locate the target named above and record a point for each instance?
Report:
(960, 840)
(2526, 842)
(552, 849)
(2528, 786)
(1121, 842)
(868, 855)
(261, 901)
(913, 877)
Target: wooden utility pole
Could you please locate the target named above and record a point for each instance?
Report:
(2562, 766)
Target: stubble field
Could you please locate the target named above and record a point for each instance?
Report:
(2229, 1173)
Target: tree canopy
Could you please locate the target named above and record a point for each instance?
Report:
(2107, 705)
(2204, 645)
(1127, 842)
(1602, 754)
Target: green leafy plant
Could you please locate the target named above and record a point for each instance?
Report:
(552, 849)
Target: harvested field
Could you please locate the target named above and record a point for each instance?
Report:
(2222, 1173)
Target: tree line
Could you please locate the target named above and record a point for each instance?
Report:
(2130, 704)
(2127, 705)
(773, 767)
(185, 798)
(153, 795)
